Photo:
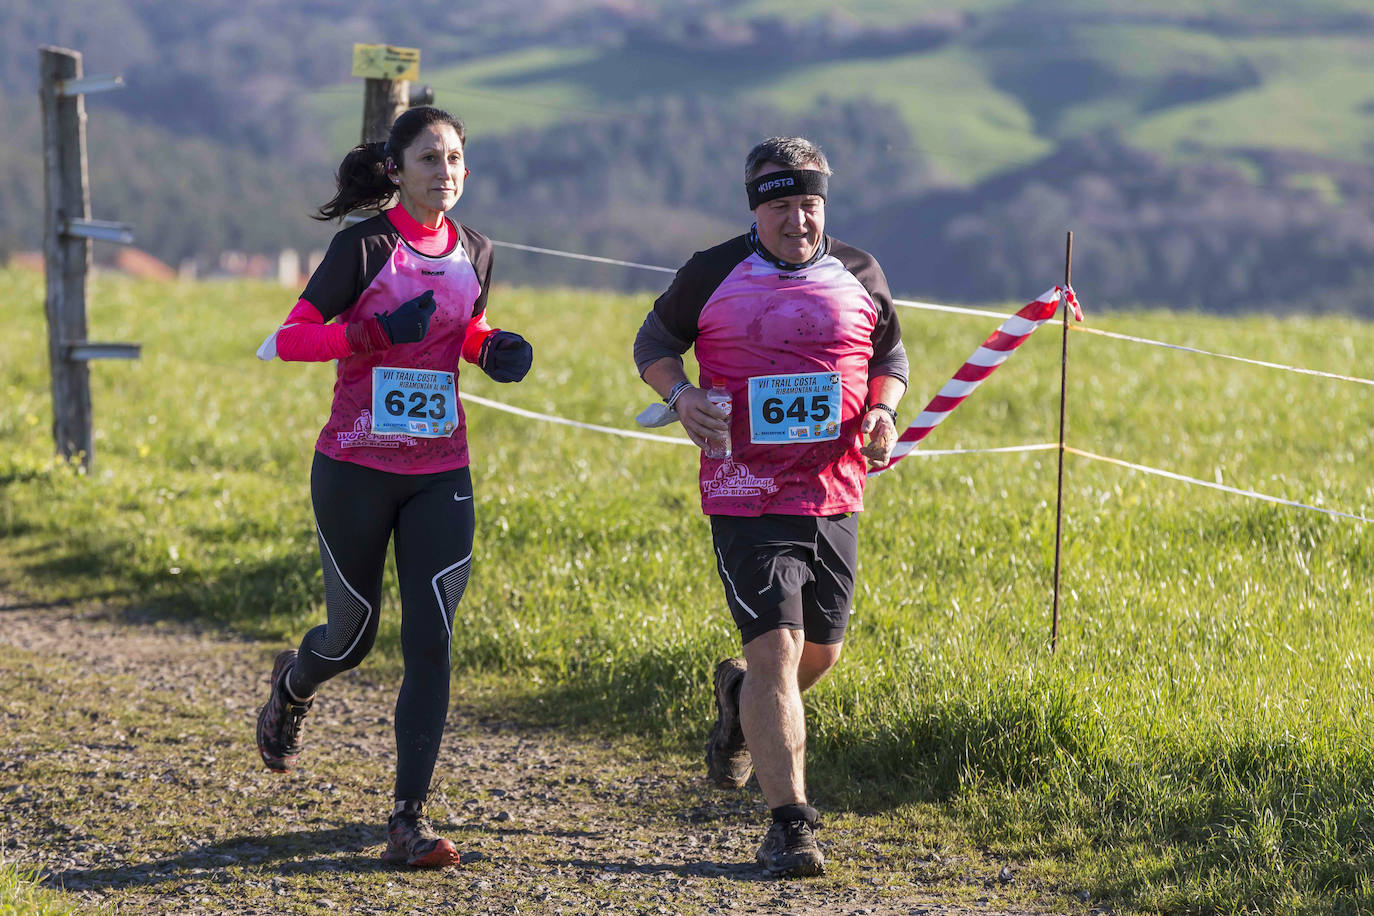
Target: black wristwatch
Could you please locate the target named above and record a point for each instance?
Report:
(891, 411)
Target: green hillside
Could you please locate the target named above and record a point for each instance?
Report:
(1316, 95)
(1003, 88)
(1214, 159)
(1202, 741)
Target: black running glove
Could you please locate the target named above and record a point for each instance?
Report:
(505, 356)
(410, 322)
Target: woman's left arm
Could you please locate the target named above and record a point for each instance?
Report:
(305, 337)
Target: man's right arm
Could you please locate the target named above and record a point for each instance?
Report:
(670, 329)
(658, 356)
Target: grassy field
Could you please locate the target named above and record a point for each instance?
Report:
(1201, 742)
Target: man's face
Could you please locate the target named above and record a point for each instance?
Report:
(790, 227)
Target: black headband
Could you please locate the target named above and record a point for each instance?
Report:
(785, 184)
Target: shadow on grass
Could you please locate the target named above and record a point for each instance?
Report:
(349, 848)
(258, 598)
(736, 871)
(1031, 747)
(22, 604)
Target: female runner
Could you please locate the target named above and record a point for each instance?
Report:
(397, 300)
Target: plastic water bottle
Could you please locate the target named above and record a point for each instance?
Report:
(719, 395)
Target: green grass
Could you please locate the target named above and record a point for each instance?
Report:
(493, 95)
(869, 13)
(21, 895)
(1199, 743)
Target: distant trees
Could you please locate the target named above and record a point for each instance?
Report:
(1196, 236)
(668, 179)
(213, 147)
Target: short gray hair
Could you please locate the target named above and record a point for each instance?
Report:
(791, 152)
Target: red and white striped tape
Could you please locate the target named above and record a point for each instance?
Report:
(980, 365)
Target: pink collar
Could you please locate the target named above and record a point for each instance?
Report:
(432, 242)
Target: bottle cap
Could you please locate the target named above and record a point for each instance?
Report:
(717, 382)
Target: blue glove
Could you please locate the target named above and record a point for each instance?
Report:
(410, 322)
(505, 356)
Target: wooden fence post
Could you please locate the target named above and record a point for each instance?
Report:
(387, 72)
(68, 230)
(383, 102)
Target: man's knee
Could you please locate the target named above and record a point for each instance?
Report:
(774, 653)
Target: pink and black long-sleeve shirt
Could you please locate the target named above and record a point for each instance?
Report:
(372, 267)
(770, 333)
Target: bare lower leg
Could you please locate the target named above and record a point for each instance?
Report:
(772, 716)
(816, 660)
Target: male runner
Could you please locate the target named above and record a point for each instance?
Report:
(801, 328)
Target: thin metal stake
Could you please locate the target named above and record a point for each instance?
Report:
(1063, 411)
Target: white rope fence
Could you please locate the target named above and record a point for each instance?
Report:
(981, 313)
(678, 440)
(583, 257)
(564, 421)
(954, 309)
(1212, 485)
(1239, 359)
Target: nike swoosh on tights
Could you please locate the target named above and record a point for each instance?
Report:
(458, 499)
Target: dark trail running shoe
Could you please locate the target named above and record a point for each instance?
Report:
(728, 763)
(279, 722)
(790, 850)
(411, 840)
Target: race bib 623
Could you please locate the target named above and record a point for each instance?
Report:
(416, 402)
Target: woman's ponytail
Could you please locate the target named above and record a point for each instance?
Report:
(363, 183)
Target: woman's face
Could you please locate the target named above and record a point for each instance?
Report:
(432, 171)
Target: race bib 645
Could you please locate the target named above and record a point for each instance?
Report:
(794, 408)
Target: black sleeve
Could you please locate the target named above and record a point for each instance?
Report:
(893, 363)
(334, 286)
(478, 248)
(680, 306)
(887, 332)
(654, 342)
(354, 257)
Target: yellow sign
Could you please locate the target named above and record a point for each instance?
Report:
(385, 62)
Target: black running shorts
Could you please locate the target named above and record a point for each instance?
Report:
(788, 572)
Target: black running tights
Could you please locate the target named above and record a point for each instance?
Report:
(357, 510)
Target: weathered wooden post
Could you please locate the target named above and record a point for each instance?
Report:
(387, 71)
(68, 229)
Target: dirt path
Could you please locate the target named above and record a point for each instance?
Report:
(128, 774)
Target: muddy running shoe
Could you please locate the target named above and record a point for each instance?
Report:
(411, 840)
(279, 722)
(728, 763)
(790, 849)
